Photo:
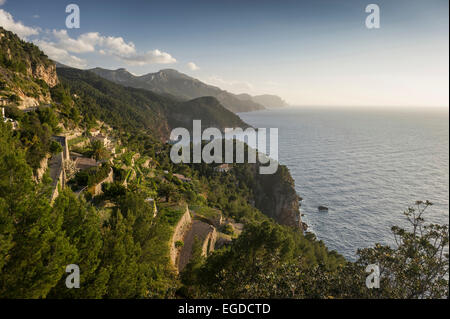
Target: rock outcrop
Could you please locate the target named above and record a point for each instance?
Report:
(46, 73)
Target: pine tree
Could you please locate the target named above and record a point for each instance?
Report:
(121, 254)
(82, 226)
(33, 244)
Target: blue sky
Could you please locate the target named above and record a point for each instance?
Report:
(310, 53)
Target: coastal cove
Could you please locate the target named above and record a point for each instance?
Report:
(365, 165)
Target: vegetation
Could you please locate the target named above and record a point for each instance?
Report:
(35, 133)
(137, 109)
(98, 150)
(179, 244)
(91, 176)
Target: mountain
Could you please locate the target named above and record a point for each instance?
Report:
(26, 73)
(143, 109)
(267, 100)
(172, 82)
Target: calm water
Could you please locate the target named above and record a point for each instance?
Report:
(367, 166)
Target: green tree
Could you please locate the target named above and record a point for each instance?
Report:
(98, 150)
(134, 207)
(48, 116)
(168, 191)
(33, 243)
(121, 255)
(83, 228)
(189, 276)
(417, 267)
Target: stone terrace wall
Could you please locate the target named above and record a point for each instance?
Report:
(179, 233)
(97, 188)
(210, 241)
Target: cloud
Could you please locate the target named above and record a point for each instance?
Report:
(192, 66)
(89, 42)
(117, 46)
(35, 16)
(58, 45)
(60, 55)
(85, 42)
(150, 57)
(7, 21)
(2, 2)
(109, 45)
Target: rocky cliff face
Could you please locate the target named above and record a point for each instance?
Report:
(276, 197)
(46, 73)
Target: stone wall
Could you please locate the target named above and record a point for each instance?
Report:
(97, 188)
(57, 174)
(205, 233)
(182, 227)
(40, 171)
(62, 140)
(210, 241)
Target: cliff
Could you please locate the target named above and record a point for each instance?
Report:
(276, 197)
(26, 73)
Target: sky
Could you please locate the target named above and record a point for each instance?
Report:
(309, 53)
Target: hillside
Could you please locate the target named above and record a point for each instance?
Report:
(26, 74)
(169, 81)
(138, 108)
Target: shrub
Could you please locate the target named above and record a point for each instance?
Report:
(55, 147)
(228, 229)
(179, 244)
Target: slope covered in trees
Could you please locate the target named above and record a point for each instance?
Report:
(133, 109)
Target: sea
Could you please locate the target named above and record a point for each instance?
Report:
(367, 165)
